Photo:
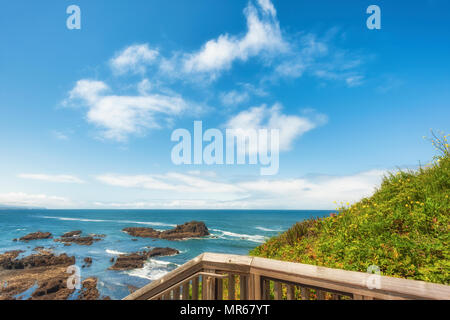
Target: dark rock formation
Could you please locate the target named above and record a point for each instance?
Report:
(44, 269)
(84, 241)
(89, 290)
(9, 260)
(36, 236)
(53, 289)
(193, 229)
(71, 234)
(87, 262)
(136, 260)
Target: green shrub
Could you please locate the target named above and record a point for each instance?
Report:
(403, 228)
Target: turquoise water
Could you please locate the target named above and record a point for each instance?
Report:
(236, 232)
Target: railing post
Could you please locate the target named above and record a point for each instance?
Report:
(243, 287)
(195, 288)
(256, 287)
(278, 288)
(231, 287)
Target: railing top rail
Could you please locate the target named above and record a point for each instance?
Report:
(321, 277)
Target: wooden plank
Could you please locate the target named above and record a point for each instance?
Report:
(231, 287)
(219, 289)
(204, 287)
(186, 286)
(266, 289)
(278, 288)
(320, 294)
(243, 294)
(257, 290)
(305, 293)
(195, 288)
(176, 293)
(290, 292)
(353, 284)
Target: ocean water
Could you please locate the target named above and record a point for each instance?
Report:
(232, 231)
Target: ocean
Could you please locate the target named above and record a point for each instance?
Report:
(232, 231)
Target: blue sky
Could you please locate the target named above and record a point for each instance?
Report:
(87, 115)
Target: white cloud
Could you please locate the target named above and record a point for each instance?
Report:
(190, 191)
(187, 183)
(263, 36)
(62, 178)
(33, 200)
(233, 98)
(134, 59)
(290, 126)
(121, 116)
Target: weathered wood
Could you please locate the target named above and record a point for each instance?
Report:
(334, 281)
(320, 294)
(176, 293)
(278, 288)
(266, 289)
(186, 286)
(204, 287)
(219, 289)
(231, 287)
(305, 293)
(290, 292)
(195, 288)
(257, 289)
(243, 295)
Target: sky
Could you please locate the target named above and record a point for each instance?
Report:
(87, 115)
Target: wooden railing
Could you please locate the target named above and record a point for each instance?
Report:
(212, 276)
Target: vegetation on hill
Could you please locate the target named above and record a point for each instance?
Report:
(403, 228)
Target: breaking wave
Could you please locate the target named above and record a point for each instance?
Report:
(153, 269)
(227, 234)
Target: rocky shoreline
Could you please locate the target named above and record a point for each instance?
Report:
(193, 229)
(43, 275)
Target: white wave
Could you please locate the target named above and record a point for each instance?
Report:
(114, 252)
(150, 223)
(248, 237)
(21, 229)
(267, 229)
(73, 219)
(152, 270)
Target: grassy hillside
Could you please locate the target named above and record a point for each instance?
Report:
(403, 228)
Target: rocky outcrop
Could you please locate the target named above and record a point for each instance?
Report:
(193, 229)
(44, 270)
(71, 234)
(89, 290)
(36, 236)
(142, 232)
(9, 261)
(136, 260)
(83, 241)
(87, 262)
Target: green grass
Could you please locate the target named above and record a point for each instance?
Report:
(403, 228)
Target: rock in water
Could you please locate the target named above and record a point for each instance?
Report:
(84, 241)
(193, 229)
(136, 260)
(71, 234)
(36, 236)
